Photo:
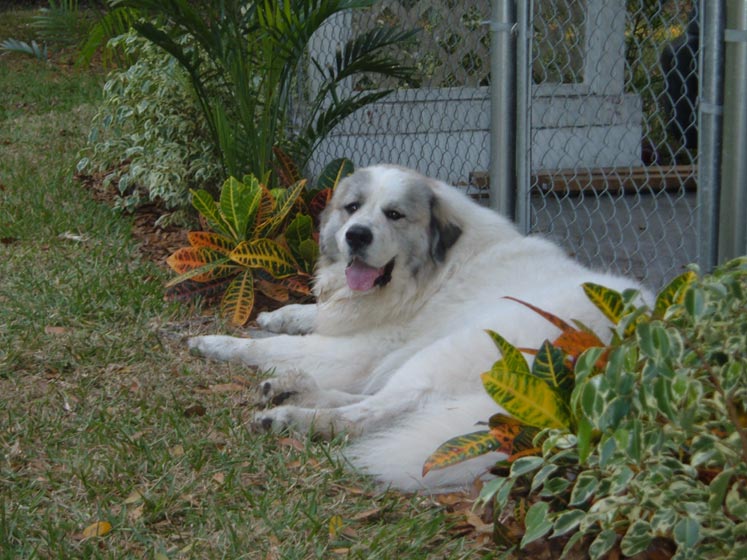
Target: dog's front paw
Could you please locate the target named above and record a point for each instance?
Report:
(295, 387)
(275, 420)
(219, 347)
(291, 319)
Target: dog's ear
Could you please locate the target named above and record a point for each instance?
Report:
(444, 232)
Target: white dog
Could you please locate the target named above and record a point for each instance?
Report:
(411, 273)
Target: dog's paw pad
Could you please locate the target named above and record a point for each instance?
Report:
(277, 390)
(273, 394)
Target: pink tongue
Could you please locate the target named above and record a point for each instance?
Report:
(362, 277)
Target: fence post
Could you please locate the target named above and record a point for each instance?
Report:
(733, 211)
(503, 106)
(710, 129)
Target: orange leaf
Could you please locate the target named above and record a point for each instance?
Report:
(505, 434)
(286, 168)
(524, 453)
(214, 241)
(554, 319)
(273, 290)
(299, 284)
(187, 259)
(574, 342)
(98, 529)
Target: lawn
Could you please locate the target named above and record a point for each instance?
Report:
(106, 419)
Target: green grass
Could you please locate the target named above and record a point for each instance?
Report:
(103, 414)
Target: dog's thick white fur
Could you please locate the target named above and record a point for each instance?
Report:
(411, 273)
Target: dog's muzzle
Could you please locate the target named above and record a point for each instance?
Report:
(358, 238)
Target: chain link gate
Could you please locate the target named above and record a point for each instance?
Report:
(612, 150)
(608, 150)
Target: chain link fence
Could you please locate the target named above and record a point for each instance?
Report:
(440, 122)
(613, 117)
(611, 154)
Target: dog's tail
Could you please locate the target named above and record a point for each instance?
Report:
(396, 455)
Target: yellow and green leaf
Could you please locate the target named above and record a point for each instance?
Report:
(512, 360)
(238, 301)
(527, 398)
(284, 201)
(673, 293)
(265, 254)
(550, 366)
(462, 448)
(608, 301)
(208, 209)
(239, 203)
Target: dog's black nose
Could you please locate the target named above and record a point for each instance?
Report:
(358, 237)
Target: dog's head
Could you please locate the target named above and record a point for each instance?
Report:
(385, 221)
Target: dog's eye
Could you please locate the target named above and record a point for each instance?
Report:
(393, 215)
(352, 207)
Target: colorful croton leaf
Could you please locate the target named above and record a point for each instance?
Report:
(334, 172)
(246, 241)
(506, 435)
(539, 396)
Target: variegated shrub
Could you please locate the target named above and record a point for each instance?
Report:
(641, 439)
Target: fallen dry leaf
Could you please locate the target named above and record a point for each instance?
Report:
(335, 526)
(177, 451)
(219, 478)
(194, 410)
(134, 497)
(49, 329)
(367, 515)
(135, 513)
(226, 388)
(98, 529)
(291, 442)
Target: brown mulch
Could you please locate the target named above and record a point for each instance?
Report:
(156, 242)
